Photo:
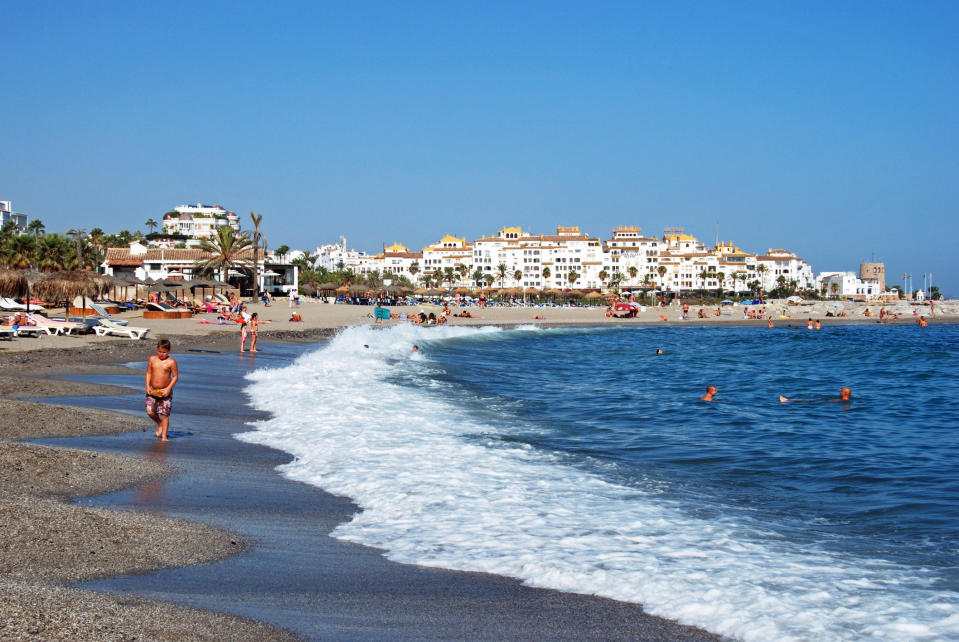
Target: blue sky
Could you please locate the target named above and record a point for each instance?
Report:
(826, 128)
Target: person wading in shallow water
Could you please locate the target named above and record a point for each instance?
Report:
(161, 376)
(710, 393)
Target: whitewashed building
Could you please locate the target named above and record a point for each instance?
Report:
(848, 285)
(159, 263)
(198, 221)
(7, 215)
(334, 257)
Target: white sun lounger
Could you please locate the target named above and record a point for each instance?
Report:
(107, 327)
(56, 327)
(33, 330)
(10, 304)
(6, 332)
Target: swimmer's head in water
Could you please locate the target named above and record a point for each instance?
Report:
(659, 350)
(845, 394)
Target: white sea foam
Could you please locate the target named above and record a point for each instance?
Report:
(434, 494)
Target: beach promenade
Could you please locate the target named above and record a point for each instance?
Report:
(50, 543)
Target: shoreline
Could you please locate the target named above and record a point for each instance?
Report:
(30, 374)
(31, 607)
(321, 320)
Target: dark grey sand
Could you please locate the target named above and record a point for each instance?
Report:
(294, 576)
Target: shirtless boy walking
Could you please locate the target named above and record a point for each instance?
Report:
(161, 376)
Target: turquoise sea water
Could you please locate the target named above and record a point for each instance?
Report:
(580, 460)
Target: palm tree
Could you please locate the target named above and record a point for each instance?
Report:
(762, 269)
(721, 276)
(19, 253)
(603, 275)
(257, 219)
(661, 270)
(414, 269)
(834, 288)
(373, 279)
(703, 276)
(224, 248)
(546, 272)
(501, 271)
(151, 225)
(52, 252)
(463, 270)
(449, 275)
(488, 279)
(781, 284)
(517, 276)
(616, 280)
(572, 277)
(78, 235)
(35, 227)
(479, 277)
(633, 271)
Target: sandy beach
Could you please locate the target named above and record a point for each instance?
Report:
(51, 543)
(320, 319)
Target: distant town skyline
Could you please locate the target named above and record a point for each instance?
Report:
(827, 130)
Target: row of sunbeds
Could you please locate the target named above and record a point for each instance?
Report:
(102, 326)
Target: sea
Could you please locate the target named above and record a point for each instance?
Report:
(578, 459)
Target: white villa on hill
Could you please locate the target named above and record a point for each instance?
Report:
(198, 221)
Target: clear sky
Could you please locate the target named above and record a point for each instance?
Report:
(828, 128)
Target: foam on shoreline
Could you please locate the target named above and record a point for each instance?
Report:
(366, 419)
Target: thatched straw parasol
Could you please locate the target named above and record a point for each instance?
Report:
(394, 289)
(328, 286)
(420, 291)
(462, 290)
(66, 286)
(359, 289)
(13, 283)
(434, 292)
(594, 295)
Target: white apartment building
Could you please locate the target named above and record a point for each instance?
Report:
(848, 285)
(336, 257)
(449, 252)
(7, 215)
(785, 264)
(568, 251)
(394, 261)
(198, 221)
(676, 263)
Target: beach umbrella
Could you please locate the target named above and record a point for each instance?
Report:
(326, 286)
(358, 289)
(434, 292)
(66, 286)
(420, 291)
(13, 283)
(594, 295)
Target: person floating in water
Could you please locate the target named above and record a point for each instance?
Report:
(845, 394)
(710, 393)
(659, 350)
(922, 323)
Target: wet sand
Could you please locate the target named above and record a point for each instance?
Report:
(352, 591)
(278, 564)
